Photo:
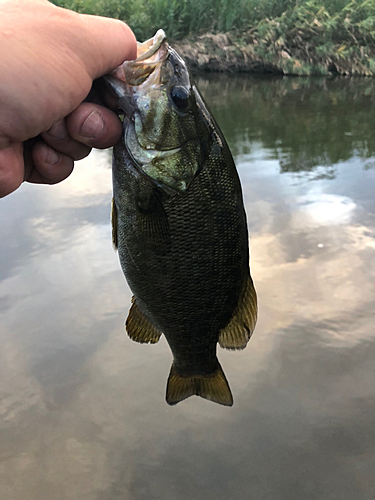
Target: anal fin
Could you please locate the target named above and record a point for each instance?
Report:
(139, 327)
(213, 387)
(236, 334)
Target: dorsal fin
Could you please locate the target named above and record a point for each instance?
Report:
(114, 224)
(139, 327)
(213, 387)
(237, 332)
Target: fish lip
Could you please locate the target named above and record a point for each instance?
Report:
(149, 47)
(151, 54)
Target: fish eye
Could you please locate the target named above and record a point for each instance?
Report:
(180, 97)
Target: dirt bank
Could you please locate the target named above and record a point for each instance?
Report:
(232, 53)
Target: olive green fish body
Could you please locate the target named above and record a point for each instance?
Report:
(184, 251)
(185, 257)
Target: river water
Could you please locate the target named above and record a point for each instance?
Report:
(82, 409)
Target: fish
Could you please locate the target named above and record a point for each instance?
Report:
(179, 223)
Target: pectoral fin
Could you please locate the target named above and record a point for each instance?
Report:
(213, 387)
(153, 222)
(139, 327)
(238, 331)
(114, 224)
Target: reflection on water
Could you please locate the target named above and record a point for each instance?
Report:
(82, 413)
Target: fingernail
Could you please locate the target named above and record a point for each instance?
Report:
(93, 125)
(52, 157)
(58, 130)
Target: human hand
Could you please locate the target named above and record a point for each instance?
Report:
(49, 59)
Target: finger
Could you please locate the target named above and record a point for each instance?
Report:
(94, 125)
(57, 138)
(49, 166)
(11, 169)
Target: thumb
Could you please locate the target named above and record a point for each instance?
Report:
(109, 42)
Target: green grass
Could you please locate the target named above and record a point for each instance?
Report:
(314, 32)
(179, 18)
(317, 34)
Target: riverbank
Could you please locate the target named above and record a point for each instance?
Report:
(304, 41)
(228, 53)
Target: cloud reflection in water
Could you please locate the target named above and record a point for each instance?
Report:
(82, 411)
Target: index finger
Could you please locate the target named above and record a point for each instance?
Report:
(110, 42)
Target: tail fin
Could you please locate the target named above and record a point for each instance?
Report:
(213, 387)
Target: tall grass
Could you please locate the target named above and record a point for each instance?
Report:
(338, 19)
(317, 37)
(178, 18)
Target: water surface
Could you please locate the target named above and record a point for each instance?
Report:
(82, 410)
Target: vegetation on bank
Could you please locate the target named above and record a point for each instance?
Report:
(294, 36)
(310, 38)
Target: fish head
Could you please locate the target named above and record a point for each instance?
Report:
(162, 127)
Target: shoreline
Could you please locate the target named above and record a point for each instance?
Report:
(245, 53)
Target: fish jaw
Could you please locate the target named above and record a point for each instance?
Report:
(171, 170)
(126, 79)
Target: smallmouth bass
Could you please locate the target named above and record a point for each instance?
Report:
(179, 223)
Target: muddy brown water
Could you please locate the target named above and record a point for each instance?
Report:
(82, 410)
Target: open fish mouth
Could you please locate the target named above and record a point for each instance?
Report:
(150, 56)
